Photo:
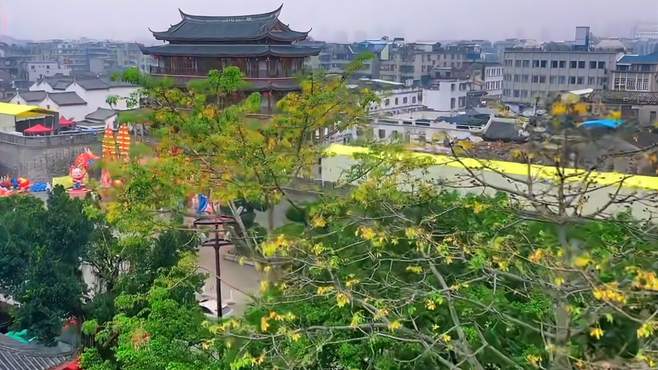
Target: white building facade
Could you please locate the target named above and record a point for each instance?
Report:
(39, 70)
(447, 95)
(398, 101)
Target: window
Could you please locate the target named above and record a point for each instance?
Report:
(592, 65)
(535, 64)
(462, 102)
(526, 63)
(387, 102)
(404, 100)
(516, 93)
(591, 81)
(563, 64)
(573, 64)
(397, 101)
(630, 84)
(506, 92)
(601, 65)
(413, 99)
(543, 64)
(552, 80)
(572, 80)
(517, 63)
(524, 93)
(643, 85)
(581, 64)
(554, 63)
(517, 78)
(525, 78)
(452, 103)
(542, 79)
(452, 87)
(580, 80)
(382, 134)
(652, 117)
(535, 79)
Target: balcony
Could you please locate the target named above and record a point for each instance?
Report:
(184, 75)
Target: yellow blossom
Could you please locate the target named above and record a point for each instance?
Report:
(264, 323)
(295, 336)
(645, 331)
(366, 233)
(559, 109)
(582, 261)
(380, 314)
(446, 338)
(318, 222)
(559, 281)
(322, 290)
(596, 332)
(534, 360)
(430, 305)
(415, 269)
(609, 293)
(536, 256)
(342, 299)
(394, 325)
(264, 286)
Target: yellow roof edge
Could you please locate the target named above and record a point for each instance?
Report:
(17, 109)
(515, 168)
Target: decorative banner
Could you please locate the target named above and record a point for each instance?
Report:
(123, 139)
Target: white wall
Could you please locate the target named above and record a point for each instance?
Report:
(41, 86)
(37, 70)
(414, 100)
(439, 98)
(18, 100)
(75, 112)
(97, 98)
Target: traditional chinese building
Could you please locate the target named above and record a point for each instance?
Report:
(264, 48)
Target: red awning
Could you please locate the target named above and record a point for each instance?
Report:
(65, 122)
(37, 130)
(73, 365)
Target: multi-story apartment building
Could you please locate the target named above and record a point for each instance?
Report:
(633, 89)
(532, 75)
(487, 77)
(39, 70)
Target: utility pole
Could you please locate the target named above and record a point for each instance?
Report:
(216, 242)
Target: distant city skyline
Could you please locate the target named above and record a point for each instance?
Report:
(336, 20)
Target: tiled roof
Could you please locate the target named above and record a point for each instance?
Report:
(93, 84)
(502, 131)
(66, 98)
(18, 356)
(639, 59)
(33, 96)
(100, 114)
(230, 28)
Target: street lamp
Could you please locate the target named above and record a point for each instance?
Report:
(217, 242)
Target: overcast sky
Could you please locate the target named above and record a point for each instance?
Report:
(334, 20)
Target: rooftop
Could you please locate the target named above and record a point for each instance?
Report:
(639, 59)
(100, 114)
(66, 98)
(18, 356)
(197, 28)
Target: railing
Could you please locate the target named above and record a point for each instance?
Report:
(193, 73)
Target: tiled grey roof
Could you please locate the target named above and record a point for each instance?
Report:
(230, 28)
(18, 356)
(502, 131)
(100, 114)
(33, 96)
(66, 98)
(61, 84)
(93, 84)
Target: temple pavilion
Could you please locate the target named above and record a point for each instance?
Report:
(265, 49)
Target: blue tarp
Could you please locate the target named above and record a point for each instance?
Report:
(602, 123)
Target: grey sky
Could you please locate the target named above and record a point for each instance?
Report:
(334, 20)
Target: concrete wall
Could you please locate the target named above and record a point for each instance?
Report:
(42, 158)
(333, 169)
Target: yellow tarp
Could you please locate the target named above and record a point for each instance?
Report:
(519, 169)
(19, 109)
(65, 181)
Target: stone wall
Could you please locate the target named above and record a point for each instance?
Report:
(44, 157)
